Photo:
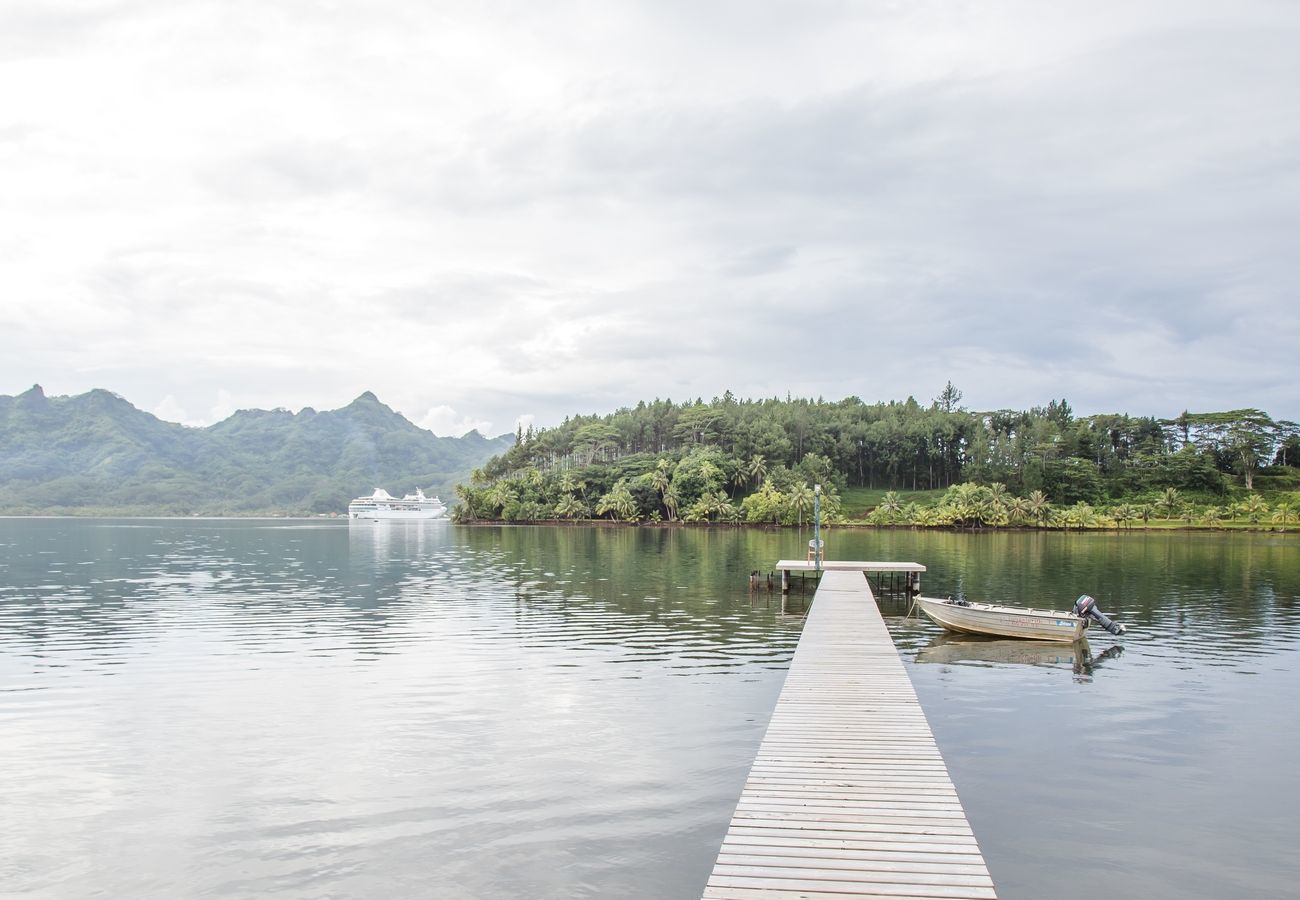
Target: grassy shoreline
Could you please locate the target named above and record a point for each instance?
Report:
(863, 526)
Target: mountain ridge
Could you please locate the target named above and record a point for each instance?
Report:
(96, 453)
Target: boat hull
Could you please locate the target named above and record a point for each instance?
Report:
(1003, 621)
(399, 514)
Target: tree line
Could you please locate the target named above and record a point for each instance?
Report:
(733, 460)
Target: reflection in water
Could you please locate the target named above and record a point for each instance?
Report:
(311, 708)
(1173, 760)
(956, 649)
(305, 708)
(951, 649)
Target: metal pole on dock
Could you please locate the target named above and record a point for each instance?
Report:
(817, 526)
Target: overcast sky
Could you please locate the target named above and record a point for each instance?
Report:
(484, 211)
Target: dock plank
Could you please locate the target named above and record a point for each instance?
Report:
(848, 795)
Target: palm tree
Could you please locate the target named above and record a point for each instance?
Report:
(1254, 508)
(1170, 500)
(800, 500)
(570, 507)
(998, 496)
(757, 468)
(466, 495)
(1039, 506)
(740, 478)
(618, 503)
(661, 479)
(1213, 515)
(662, 475)
(960, 505)
(1080, 516)
(671, 501)
(499, 495)
(720, 507)
(1018, 509)
(1283, 513)
(625, 505)
(1123, 514)
(890, 505)
(571, 485)
(991, 510)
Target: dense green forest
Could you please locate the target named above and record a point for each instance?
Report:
(95, 453)
(757, 461)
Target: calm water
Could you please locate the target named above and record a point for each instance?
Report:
(230, 709)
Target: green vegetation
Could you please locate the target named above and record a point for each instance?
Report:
(896, 463)
(860, 501)
(727, 460)
(96, 454)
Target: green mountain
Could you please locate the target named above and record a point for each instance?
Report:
(96, 453)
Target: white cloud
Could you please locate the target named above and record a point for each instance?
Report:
(480, 209)
(446, 422)
(224, 408)
(170, 411)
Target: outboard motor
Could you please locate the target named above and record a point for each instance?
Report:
(1086, 608)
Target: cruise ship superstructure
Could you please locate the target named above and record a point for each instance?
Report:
(382, 505)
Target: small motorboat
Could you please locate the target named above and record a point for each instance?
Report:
(966, 617)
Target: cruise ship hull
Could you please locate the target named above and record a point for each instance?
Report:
(398, 514)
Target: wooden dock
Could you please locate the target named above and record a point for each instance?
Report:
(912, 571)
(848, 796)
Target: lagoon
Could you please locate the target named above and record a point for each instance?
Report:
(231, 708)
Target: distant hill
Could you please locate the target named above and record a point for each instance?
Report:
(96, 453)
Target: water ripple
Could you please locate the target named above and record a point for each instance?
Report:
(350, 711)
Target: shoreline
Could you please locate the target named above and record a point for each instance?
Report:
(1277, 530)
(864, 526)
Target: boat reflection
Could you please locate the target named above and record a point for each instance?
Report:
(953, 649)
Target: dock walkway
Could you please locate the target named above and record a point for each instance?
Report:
(912, 571)
(848, 795)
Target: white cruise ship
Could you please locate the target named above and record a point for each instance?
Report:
(382, 505)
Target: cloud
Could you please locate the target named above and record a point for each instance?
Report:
(224, 408)
(446, 422)
(169, 410)
(473, 211)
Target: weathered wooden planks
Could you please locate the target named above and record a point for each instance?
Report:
(848, 795)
